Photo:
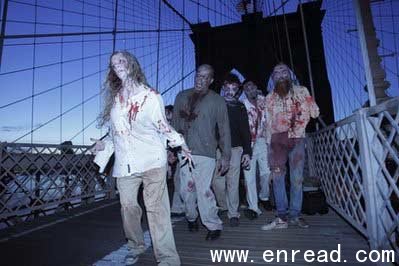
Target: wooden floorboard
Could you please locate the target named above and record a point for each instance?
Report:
(325, 232)
(88, 238)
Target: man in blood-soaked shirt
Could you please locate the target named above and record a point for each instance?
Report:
(289, 109)
(256, 109)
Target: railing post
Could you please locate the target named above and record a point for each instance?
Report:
(369, 166)
(366, 161)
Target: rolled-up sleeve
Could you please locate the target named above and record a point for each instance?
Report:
(158, 118)
(222, 120)
(311, 104)
(102, 157)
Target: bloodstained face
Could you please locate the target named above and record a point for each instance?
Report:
(281, 72)
(251, 90)
(282, 79)
(203, 78)
(230, 90)
(120, 66)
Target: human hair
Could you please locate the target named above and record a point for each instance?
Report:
(281, 63)
(113, 83)
(207, 67)
(231, 78)
(169, 108)
(248, 81)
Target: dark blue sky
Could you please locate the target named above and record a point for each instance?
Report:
(63, 72)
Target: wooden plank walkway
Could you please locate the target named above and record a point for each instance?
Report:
(325, 232)
(95, 236)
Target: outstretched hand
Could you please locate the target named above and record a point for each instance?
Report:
(98, 146)
(187, 158)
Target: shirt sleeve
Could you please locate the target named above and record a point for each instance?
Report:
(311, 104)
(223, 124)
(102, 157)
(268, 114)
(159, 120)
(176, 123)
(244, 131)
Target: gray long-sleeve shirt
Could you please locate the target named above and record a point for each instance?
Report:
(200, 133)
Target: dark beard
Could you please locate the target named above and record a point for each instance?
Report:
(282, 87)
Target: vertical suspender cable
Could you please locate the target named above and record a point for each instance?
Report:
(182, 40)
(33, 76)
(306, 49)
(3, 29)
(158, 40)
(83, 74)
(62, 71)
(287, 37)
(115, 25)
(395, 44)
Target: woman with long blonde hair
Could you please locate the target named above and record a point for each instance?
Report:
(138, 131)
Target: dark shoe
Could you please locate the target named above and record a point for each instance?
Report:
(177, 214)
(250, 214)
(267, 205)
(193, 226)
(299, 221)
(234, 222)
(213, 234)
(222, 212)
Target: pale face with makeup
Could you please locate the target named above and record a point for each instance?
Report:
(203, 78)
(251, 90)
(281, 73)
(230, 90)
(120, 65)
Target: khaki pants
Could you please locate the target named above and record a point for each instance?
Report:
(177, 202)
(226, 187)
(195, 188)
(259, 157)
(156, 201)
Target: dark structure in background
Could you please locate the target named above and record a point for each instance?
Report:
(256, 44)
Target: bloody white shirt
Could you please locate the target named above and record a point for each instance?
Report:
(138, 134)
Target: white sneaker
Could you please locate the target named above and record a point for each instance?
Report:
(275, 224)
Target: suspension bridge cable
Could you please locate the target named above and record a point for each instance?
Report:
(173, 42)
(62, 73)
(305, 37)
(177, 82)
(278, 35)
(33, 76)
(56, 117)
(393, 22)
(273, 38)
(287, 37)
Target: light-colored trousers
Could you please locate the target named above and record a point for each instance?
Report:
(177, 201)
(226, 186)
(259, 157)
(195, 189)
(156, 201)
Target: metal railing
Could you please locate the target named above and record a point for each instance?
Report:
(357, 160)
(37, 180)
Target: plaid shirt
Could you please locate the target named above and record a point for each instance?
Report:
(291, 113)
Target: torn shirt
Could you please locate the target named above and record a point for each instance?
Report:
(290, 114)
